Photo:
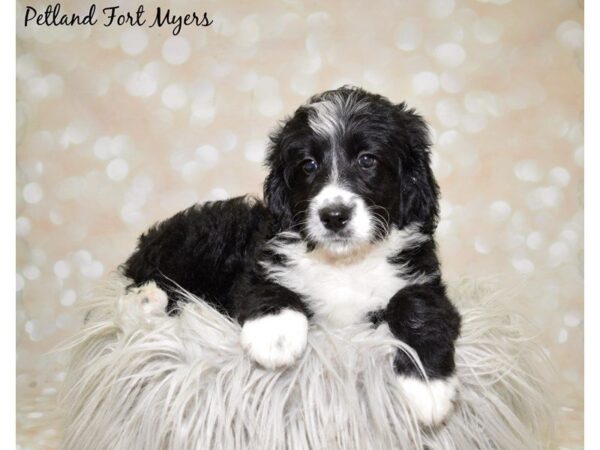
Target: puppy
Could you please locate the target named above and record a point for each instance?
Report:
(344, 235)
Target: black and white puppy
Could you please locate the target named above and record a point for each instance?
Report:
(345, 235)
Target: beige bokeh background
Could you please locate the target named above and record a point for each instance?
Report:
(119, 127)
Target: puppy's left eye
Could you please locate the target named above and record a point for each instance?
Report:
(309, 166)
(366, 160)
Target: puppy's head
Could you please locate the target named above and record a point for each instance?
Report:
(347, 167)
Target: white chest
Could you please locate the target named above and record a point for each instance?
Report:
(340, 292)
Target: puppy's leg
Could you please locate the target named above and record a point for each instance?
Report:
(423, 317)
(274, 322)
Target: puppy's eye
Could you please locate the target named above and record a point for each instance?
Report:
(366, 160)
(309, 166)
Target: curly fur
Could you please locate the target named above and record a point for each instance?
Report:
(345, 233)
(153, 381)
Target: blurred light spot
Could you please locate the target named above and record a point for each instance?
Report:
(75, 133)
(544, 197)
(310, 64)
(558, 253)
(450, 54)
(133, 41)
(227, 140)
(266, 86)
(248, 32)
(68, 297)
(33, 193)
(425, 83)
(203, 91)
(270, 106)
(408, 34)
(217, 193)
(569, 236)
(482, 102)
(570, 34)
(203, 113)
(482, 245)
(451, 82)
(117, 169)
(55, 217)
(23, 226)
(93, 269)
(174, 96)
(302, 84)
(316, 19)
(523, 265)
(131, 214)
(562, 336)
(535, 240)
(207, 156)
(578, 155)
(36, 88)
(31, 272)
(440, 8)
(141, 84)
(248, 81)
(55, 85)
(528, 170)
(488, 30)
(176, 50)
(473, 123)
(448, 112)
(560, 176)
(499, 210)
(445, 209)
(62, 269)
(20, 283)
(254, 151)
(524, 94)
(26, 66)
(573, 318)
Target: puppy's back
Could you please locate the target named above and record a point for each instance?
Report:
(202, 249)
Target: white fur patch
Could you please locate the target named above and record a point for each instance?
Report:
(359, 229)
(432, 400)
(326, 120)
(275, 340)
(342, 290)
(330, 114)
(142, 304)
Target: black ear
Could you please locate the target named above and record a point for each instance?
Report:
(419, 192)
(275, 188)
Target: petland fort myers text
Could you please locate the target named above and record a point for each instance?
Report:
(53, 15)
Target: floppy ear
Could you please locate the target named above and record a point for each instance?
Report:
(419, 192)
(275, 188)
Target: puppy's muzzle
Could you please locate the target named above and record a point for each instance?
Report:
(335, 217)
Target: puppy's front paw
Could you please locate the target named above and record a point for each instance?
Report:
(275, 340)
(431, 401)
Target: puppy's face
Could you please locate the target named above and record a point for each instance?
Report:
(349, 166)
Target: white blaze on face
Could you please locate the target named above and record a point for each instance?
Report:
(357, 232)
(329, 116)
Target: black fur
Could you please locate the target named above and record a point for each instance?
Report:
(215, 250)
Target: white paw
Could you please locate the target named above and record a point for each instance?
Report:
(275, 340)
(146, 300)
(431, 401)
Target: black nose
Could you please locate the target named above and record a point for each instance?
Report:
(335, 217)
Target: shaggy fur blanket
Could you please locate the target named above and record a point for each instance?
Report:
(152, 381)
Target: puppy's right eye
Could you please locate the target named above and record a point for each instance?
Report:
(309, 166)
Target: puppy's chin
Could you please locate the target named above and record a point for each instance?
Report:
(341, 247)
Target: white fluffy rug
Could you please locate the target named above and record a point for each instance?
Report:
(185, 383)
